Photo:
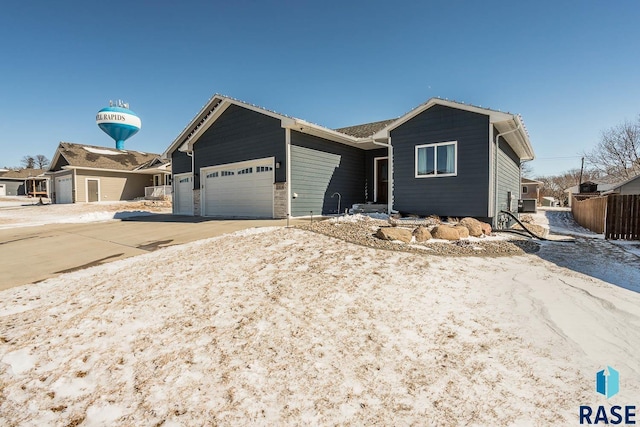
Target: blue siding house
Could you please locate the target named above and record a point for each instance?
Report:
(446, 158)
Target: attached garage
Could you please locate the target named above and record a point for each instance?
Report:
(183, 194)
(64, 189)
(242, 189)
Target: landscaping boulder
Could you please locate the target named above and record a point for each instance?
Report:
(462, 230)
(486, 228)
(445, 232)
(473, 225)
(422, 234)
(394, 233)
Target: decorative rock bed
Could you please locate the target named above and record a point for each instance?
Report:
(364, 231)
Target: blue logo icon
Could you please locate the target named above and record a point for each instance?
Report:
(608, 382)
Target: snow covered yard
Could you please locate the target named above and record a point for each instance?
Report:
(282, 326)
(23, 211)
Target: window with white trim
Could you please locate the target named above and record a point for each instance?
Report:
(227, 173)
(525, 189)
(263, 169)
(438, 159)
(212, 175)
(245, 171)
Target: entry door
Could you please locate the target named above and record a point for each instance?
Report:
(382, 180)
(3, 190)
(92, 190)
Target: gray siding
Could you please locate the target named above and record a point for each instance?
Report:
(508, 176)
(318, 169)
(632, 187)
(240, 134)
(370, 156)
(466, 194)
(13, 188)
(180, 162)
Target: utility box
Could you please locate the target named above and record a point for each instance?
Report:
(527, 206)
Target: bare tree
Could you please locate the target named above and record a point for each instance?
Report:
(554, 185)
(618, 152)
(29, 162)
(41, 161)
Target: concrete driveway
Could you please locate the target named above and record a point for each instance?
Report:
(33, 254)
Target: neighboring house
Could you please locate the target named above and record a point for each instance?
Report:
(444, 158)
(587, 190)
(548, 201)
(530, 189)
(87, 173)
(23, 182)
(628, 187)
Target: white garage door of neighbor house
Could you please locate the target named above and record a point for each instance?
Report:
(183, 195)
(64, 190)
(243, 189)
(3, 190)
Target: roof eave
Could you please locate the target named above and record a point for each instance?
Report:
(140, 171)
(179, 140)
(516, 136)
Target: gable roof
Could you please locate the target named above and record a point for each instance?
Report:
(363, 136)
(79, 156)
(524, 180)
(511, 125)
(601, 186)
(218, 104)
(620, 184)
(21, 174)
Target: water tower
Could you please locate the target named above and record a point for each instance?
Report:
(118, 122)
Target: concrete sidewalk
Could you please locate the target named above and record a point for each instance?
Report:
(33, 254)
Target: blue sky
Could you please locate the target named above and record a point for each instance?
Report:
(569, 68)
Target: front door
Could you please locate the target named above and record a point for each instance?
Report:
(92, 190)
(382, 180)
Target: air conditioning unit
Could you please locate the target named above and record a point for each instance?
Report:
(527, 206)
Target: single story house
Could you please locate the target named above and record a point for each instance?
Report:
(23, 182)
(88, 173)
(530, 189)
(443, 157)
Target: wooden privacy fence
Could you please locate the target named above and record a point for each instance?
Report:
(617, 216)
(623, 217)
(590, 213)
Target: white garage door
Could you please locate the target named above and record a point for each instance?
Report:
(3, 190)
(183, 194)
(64, 189)
(243, 189)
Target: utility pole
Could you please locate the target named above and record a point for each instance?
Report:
(581, 170)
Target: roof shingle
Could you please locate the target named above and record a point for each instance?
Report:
(365, 130)
(91, 156)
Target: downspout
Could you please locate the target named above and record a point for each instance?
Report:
(74, 193)
(193, 177)
(287, 141)
(389, 171)
(495, 174)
